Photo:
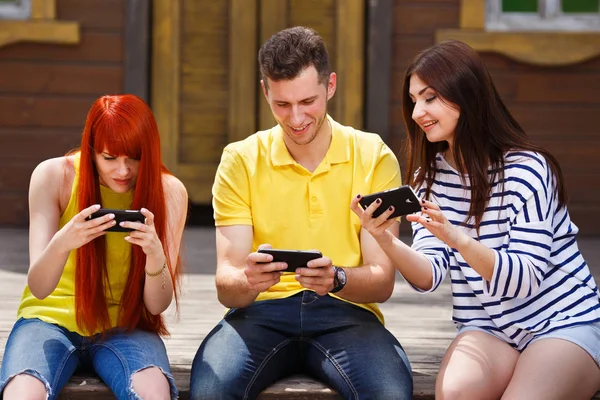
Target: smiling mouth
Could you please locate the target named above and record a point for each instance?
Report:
(430, 123)
(299, 130)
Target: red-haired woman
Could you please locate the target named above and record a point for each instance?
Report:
(94, 298)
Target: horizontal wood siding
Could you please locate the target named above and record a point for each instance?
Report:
(46, 91)
(555, 105)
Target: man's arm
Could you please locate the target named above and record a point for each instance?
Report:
(242, 275)
(372, 282)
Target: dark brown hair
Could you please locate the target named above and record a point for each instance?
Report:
(287, 53)
(485, 130)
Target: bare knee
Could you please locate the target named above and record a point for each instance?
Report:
(25, 387)
(446, 389)
(151, 384)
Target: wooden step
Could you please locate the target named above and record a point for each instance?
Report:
(296, 387)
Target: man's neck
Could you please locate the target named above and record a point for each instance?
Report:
(311, 154)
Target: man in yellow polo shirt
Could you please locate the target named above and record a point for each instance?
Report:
(290, 187)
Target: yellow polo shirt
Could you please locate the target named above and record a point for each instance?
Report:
(258, 183)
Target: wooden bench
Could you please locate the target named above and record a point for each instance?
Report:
(297, 387)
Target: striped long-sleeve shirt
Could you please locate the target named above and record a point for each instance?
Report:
(540, 281)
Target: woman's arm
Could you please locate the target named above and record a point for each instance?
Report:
(413, 266)
(49, 248)
(158, 286)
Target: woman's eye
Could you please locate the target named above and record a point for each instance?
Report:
(432, 98)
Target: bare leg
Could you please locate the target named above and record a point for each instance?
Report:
(151, 384)
(25, 387)
(554, 369)
(476, 366)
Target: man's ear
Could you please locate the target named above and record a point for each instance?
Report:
(264, 88)
(331, 85)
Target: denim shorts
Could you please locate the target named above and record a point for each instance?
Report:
(52, 354)
(586, 336)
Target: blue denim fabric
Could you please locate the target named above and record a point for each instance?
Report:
(333, 341)
(52, 354)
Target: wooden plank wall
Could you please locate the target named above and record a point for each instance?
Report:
(555, 105)
(46, 91)
(220, 97)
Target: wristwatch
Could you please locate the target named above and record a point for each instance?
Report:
(339, 279)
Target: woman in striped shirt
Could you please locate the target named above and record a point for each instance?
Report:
(494, 217)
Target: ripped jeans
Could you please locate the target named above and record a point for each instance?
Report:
(52, 354)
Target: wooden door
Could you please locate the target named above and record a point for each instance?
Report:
(205, 80)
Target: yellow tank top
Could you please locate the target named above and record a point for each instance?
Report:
(59, 307)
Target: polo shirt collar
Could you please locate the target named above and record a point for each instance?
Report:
(338, 152)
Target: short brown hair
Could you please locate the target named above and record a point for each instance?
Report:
(287, 53)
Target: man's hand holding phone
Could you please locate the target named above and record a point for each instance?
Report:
(317, 276)
(313, 271)
(262, 270)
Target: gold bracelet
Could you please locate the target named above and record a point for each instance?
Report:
(162, 271)
(157, 273)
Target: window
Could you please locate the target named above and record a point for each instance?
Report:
(15, 9)
(543, 15)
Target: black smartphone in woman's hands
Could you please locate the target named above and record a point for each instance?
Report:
(404, 199)
(120, 216)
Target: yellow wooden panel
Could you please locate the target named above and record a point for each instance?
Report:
(472, 14)
(273, 18)
(43, 9)
(165, 76)
(350, 61)
(319, 15)
(204, 82)
(540, 48)
(39, 31)
(198, 180)
(243, 74)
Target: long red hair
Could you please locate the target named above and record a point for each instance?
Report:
(122, 125)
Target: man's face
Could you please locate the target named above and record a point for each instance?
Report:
(299, 105)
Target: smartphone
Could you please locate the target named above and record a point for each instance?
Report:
(293, 258)
(404, 199)
(120, 216)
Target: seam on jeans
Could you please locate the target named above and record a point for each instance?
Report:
(123, 361)
(337, 366)
(31, 372)
(262, 365)
(172, 388)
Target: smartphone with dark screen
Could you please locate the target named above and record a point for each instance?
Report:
(120, 216)
(293, 258)
(404, 199)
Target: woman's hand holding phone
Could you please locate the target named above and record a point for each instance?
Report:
(81, 230)
(376, 226)
(144, 235)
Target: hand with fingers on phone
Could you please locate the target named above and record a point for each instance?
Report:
(80, 230)
(144, 235)
(261, 271)
(318, 275)
(376, 226)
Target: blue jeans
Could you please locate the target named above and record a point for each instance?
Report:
(52, 354)
(333, 341)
